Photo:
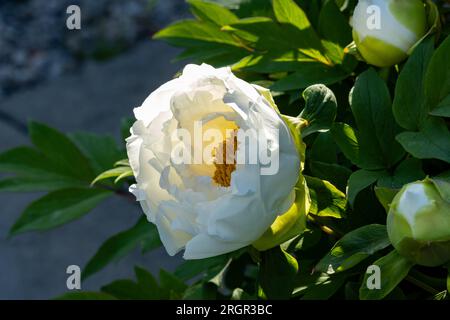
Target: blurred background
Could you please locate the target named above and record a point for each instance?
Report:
(76, 80)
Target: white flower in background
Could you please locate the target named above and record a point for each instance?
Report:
(210, 208)
(419, 222)
(385, 30)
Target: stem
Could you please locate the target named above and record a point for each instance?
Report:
(119, 192)
(422, 285)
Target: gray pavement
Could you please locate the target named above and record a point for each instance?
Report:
(33, 265)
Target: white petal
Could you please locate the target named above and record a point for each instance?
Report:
(204, 246)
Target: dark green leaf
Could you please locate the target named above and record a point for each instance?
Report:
(57, 208)
(347, 140)
(121, 244)
(320, 109)
(146, 280)
(201, 291)
(409, 106)
(172, 284)
(437, 81)
(371, 107)
(443, 108)
(85, 295)
(310, 74)
(354, 247)
(42, 183)
(326, 199)
(102, 151)
(277, 272)
(361, 179)
(324, 148)
(61, 150)
(324, 289)
(432, 142)
(192, 268)
(330, 17)
(318, 286)
(338, 175)
(409, 170)
(125, 289)
(394, 268)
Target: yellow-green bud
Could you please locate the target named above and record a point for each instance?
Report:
(385, 30)
(418, 222)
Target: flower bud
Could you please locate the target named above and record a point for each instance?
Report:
(418, 222)
(385, 30)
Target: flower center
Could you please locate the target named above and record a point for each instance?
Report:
(225, 160)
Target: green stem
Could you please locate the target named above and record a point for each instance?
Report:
(422, 285)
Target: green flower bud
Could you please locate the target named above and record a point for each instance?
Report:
(385, 30)
(418, 222)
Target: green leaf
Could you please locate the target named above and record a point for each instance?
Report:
(432, 142)
(385, 196)
(347, 140)
(121, 244)
(354, 247)
(442, 109)
(118, 173)
(326, 199)
(409, 107)
(330, 17)
(277, 272)
(61, 150)
(212, 12)
(191, 268)
(324, 149)
(317, 286)
(57, 208)
(265, 34)
(407, 171)
(27, 161)
(287, 11)
(145, 279)
(172, 284)
(42, 183)
(437, 81)
(320, 109)
(338, 175)
(187, 33)
(324, 288)
(125, 289)
(85, 295)
(394, 268)
(310, 74)
(102, 151)
(361, 179)
(201, 291)
(371, 106)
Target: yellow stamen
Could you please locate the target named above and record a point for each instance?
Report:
(227, 163)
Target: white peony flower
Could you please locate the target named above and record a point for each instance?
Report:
(212, 207)
(418, 222)
(385, 30)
